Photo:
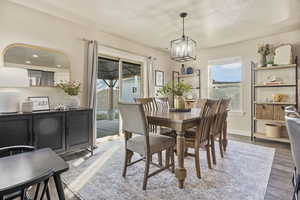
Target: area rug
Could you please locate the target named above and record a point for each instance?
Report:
(242, 174)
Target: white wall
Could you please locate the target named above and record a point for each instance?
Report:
(240, 123)
(19, 24)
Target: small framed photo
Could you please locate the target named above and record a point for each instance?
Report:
(159, 78)
(40, 103)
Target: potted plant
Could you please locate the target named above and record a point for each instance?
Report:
(72, 88)
(263, 51)
(178, 91)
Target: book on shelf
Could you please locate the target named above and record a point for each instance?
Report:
(273, 83)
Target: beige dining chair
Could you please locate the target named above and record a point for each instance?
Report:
(201, 137)
(145, 144)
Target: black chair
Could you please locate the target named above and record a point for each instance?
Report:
(20, 190)
(12, 150)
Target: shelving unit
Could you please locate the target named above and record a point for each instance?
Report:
(254, 102)
(176, 76)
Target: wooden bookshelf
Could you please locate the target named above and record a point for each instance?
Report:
(270, 106)
(276, 67)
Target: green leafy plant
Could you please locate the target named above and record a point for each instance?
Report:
(72, 88)
(179, 89)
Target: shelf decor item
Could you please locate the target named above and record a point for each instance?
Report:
(40, 103)
(263, 51)
(189, 70)
(71, 88)
(284, 54)
(182, 70)
(184, 48)
(273, 130)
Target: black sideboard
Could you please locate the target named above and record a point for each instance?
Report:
(63, 131)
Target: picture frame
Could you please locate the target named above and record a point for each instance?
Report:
(159, 78)
(40, 103)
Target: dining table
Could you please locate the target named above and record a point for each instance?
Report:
(179, 122)
(18, 168)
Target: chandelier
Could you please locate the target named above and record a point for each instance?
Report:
(184, 48)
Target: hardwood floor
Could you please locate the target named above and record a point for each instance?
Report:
(279, 186)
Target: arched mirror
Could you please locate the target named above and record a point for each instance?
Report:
(283, 54)
(45, 67)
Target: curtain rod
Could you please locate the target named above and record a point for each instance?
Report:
(115, 48)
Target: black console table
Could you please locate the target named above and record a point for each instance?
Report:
(61, 130)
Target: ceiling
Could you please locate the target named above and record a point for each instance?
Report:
(155, 22)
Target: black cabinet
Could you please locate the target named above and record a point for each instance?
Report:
(62, 131)
(15, 130)
(79, 130)
(49, 131)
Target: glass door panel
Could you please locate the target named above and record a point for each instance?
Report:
(109, 83)
(107, 116)
(131, 81)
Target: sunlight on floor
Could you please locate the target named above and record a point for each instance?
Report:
(89, 173)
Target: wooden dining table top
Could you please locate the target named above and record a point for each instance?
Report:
(178, 121)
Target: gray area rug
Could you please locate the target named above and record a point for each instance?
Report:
(242, 174)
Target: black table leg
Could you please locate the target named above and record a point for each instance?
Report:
(59, 187)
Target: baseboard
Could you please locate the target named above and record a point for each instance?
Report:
(239, 132)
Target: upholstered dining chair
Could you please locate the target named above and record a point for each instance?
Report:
(292, 119)
(145, 144)
(20, 190)
(201, 138)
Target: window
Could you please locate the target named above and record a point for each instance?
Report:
(225, 80)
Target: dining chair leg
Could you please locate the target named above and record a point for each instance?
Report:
(37, 190)
(147, 166)
(225, 137)
(159, 158)
(213, 150)
(167, 161)
(197, 162)
(207, 147)
(130, 154)
(48, 194)
(125, 163)
(221, 147)
(172, 159)
(44, 189)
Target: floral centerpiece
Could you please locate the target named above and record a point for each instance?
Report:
(178, 90)
(72, 88)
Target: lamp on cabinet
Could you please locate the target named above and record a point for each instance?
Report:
(11, 79)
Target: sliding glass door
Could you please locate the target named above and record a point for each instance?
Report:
(117, 80)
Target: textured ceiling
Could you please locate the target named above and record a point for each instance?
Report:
(156, 22)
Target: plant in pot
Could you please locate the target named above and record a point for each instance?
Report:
(178, 91)
(72, 88)
(263, 51)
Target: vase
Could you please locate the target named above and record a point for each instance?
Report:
(179, 102)
(73, 102)
(262, 60)
(182, 70)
